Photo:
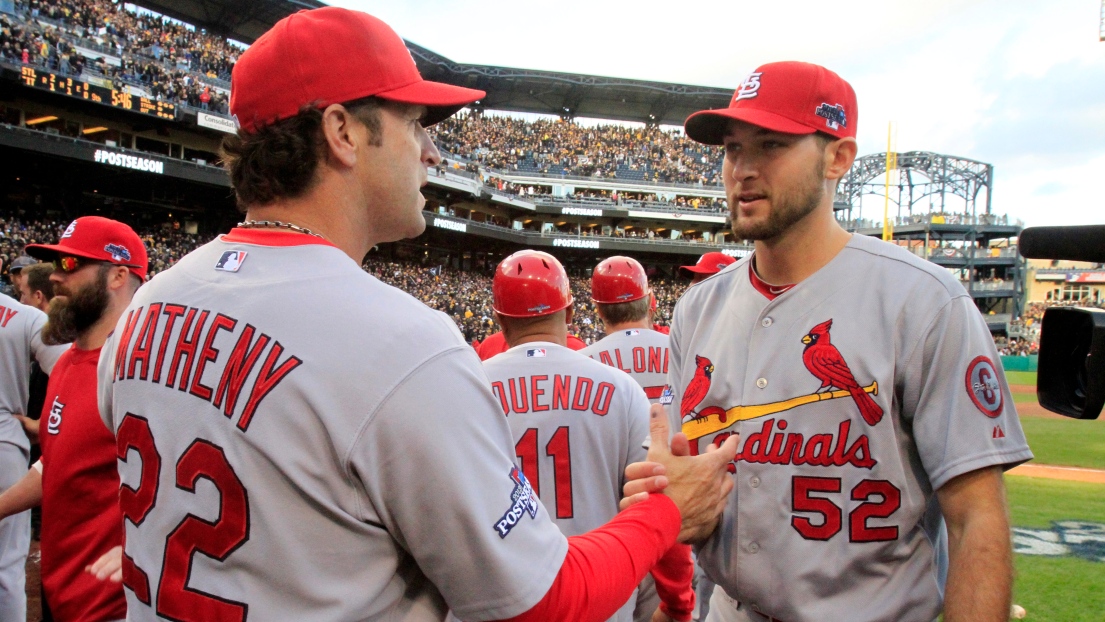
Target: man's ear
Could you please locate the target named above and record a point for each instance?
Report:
(569, 313)
(338, 127)
(839, 156)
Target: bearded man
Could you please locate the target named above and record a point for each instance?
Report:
(98, 265)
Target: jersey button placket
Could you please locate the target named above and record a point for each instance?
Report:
(761, 383)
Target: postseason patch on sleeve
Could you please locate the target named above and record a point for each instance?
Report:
(522, 501)
(667, 396)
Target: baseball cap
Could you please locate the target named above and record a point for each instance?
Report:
(22, 262)
(328, 56)
(710, 263)
(789, 97)
(99, 238)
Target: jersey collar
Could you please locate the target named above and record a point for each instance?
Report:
(272, 237)
(769, 291)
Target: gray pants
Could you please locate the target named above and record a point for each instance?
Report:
(647, 600)
(15, 539)
(725, 609)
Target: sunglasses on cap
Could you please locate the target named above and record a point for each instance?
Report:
(69, 263)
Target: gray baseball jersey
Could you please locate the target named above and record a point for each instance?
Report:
(576, 425)
(857, 394)
(303, 442)
(20, 342)
(640, 352)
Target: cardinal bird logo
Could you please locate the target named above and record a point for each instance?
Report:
(827, 365)
(697, 388)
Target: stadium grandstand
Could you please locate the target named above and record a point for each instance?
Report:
(118, 109)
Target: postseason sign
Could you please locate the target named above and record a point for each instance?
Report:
(123, 160)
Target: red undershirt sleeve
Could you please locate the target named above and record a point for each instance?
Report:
(604, 565)
(673, 574)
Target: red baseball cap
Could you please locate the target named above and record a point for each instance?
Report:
(99, 238)
(329, 56)
(710, 263)
(788, 97)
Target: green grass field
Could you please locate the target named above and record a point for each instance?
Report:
(1067, 442)
(1021, 377)
(1057, 589)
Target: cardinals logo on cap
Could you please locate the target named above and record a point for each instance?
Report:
(749, 88)
(69, 230)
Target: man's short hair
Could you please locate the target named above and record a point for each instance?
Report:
(37, 279)
(280, 160)
(623, 312)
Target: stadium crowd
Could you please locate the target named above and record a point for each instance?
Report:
(465, 296)
(165, 246)
(169, 60)
(559, 147)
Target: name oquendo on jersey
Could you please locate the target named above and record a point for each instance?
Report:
(857, 393)
(639, 352)
(280, 455)
(576, 424)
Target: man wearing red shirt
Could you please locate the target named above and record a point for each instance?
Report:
(99, 264)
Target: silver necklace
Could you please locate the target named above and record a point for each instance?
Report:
(262, 224)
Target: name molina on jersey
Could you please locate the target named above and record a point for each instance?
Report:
(192, 350)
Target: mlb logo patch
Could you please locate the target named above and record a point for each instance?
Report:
(231, 261)
(667, 396)
(632, 333)
(536, 353)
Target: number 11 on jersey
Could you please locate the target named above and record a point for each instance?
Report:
(559, 449)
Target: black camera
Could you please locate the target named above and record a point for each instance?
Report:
(1071, 376)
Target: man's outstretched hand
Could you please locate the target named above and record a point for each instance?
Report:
(699, 485)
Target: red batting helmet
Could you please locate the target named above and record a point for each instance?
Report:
(618, 279)
(530, 284)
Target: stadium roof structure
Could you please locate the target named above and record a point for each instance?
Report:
(241, 20)
(572, 95)
(516, 90)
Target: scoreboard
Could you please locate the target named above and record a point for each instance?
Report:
(54, 83)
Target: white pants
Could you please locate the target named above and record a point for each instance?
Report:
(15, 539)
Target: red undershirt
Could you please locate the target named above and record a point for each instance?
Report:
(771, 292)
(604, 565)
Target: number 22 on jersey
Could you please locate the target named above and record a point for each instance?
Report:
(217, 540)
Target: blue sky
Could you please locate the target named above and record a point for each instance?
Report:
(1019, 84)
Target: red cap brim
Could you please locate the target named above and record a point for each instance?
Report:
(442, 100)
(50, 252)
(698, 270)
(709, 126)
